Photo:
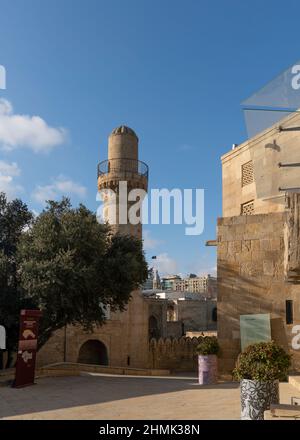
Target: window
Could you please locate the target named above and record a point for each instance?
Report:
(247, 208)
(214, 316)
(289, 318)
(247, 173)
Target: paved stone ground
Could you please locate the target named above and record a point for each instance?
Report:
(101, 397)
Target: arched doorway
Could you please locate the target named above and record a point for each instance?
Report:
(93, 352)
(214, 315)
(153, 328)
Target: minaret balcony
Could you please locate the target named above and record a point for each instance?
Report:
(111, 171)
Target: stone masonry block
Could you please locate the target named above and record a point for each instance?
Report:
(251, 269)
(255, 245)
(265, 245)
(259, 218)
(272, 255)
(234, 247)
(246, 245)
(268, 267)
(243, 256)
(239, 220)
(227, 221)
(275, 244)
(223, 246)
(252, 231)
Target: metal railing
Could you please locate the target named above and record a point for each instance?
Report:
(123, 166)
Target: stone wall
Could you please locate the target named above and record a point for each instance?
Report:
(174, 329)
(125, 337)
(251, 279)
(196, 315)
(176, 354)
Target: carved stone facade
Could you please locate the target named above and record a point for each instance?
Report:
(251, 280)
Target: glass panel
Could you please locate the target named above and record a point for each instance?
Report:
(254, 328)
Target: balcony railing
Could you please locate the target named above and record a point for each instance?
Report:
(124, 166)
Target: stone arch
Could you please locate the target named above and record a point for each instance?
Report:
(93, 351)
(171, 312)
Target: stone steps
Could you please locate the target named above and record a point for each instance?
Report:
(282, 412)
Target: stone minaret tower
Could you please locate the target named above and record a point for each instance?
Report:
(130, 337)
(122, 165)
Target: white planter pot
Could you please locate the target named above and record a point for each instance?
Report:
(256, 397)
(207, 369)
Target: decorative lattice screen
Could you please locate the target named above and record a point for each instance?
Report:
(247, 173)
(247, 208)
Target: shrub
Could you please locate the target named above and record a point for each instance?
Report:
(208, 345)
(264, 361)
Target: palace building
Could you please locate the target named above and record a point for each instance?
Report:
(258, 238)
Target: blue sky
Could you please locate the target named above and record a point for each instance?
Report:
(175, 71)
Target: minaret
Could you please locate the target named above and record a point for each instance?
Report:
(122, 165)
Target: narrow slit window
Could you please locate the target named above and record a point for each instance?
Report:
(289, 318)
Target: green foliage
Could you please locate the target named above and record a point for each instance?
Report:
(264, 361)
(66, 264)
(14, 218)
(73, 268)
(208, 345)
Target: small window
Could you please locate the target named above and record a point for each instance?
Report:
(247, 208)
(289, 316)
(214, 314)
(247, 173)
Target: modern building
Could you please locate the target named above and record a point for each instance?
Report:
(168, 281)
(176, 294)
(204, 284)
(258, 238)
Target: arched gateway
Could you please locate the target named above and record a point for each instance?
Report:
(93, 352)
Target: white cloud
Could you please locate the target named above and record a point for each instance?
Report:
(201, 266)
(11, 169)
(61, 186)
(25, 131)
(70, 187)
(166, 265)
(150, 242)
(8, 172)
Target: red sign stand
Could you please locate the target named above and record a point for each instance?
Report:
(28, 337)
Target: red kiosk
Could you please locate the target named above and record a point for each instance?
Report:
(27, 348)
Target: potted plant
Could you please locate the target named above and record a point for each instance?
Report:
(259, 369)
(207, 351)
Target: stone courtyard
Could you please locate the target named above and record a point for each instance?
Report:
(107, 397)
